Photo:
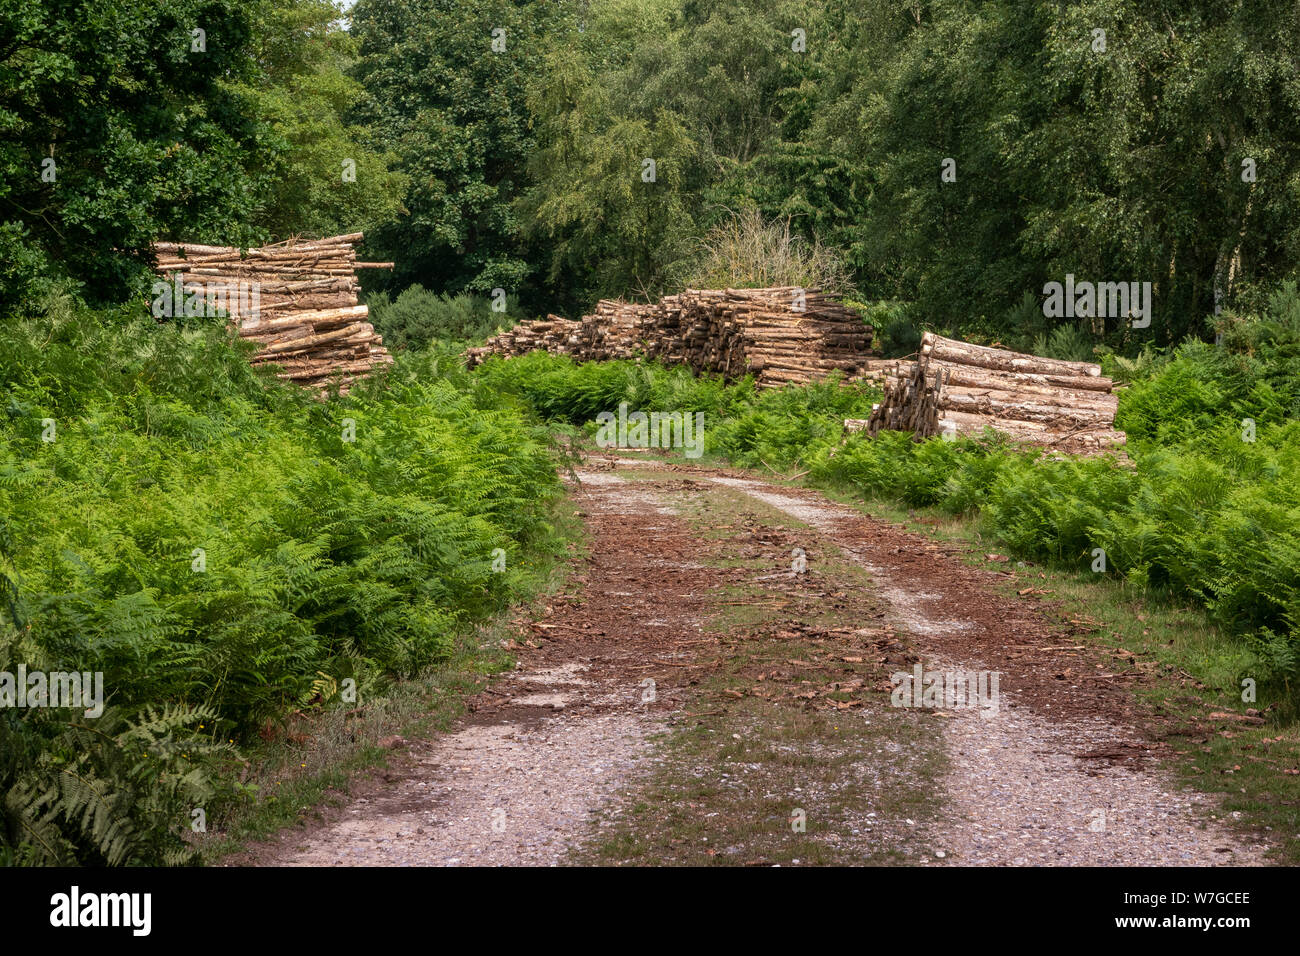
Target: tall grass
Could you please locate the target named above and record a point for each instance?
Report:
(746, 250)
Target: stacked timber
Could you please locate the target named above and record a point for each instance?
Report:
(552, 334)
(296, 299)
(881, 371)
(955, 387)
(782, 334)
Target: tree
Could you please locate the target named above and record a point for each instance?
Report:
(116, 125)
(1104, 139)
(612, 196)
(447, 83)
(702, 89)
(324, 180)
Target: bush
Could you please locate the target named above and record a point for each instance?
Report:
(897, 331)
(418, 318)
(791, 426)
(750, 426)
(560, 389)
(1069, 342)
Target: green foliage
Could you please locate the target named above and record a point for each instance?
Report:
(1115, 164)
(790, 427)
(318, 555)
(779, 427)
(1053, 509)
(1179, 400)
(703, 89)
(418, 318)
(155, 135)
(107, 792)
(1124, 369)
(1069, 342)
(146, 136)
(1124, 163)
(1254, 374)
(453, 111)
(607, 230)
(955, 475)
(897, 332)
(111, 793)
(304, 93)
(560, 389)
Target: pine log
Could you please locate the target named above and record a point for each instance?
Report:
(983, 356)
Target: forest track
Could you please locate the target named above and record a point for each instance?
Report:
(555, 757)
(1065, 772)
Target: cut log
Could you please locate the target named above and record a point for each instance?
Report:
(728, 331)
(983, 356)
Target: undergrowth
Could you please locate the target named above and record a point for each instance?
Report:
(227, 550)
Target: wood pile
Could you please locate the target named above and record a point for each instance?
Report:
(296, 299)
(960, 388)
(783, 334)
(880, 371)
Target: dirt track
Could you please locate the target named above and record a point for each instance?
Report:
(552, 756)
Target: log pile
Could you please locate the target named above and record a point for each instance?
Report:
(879, 371)
(783, 334)
(296, 299)
(959, 388)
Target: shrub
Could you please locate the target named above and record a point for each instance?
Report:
(777, 427)
(418, 318)
(897, 331)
